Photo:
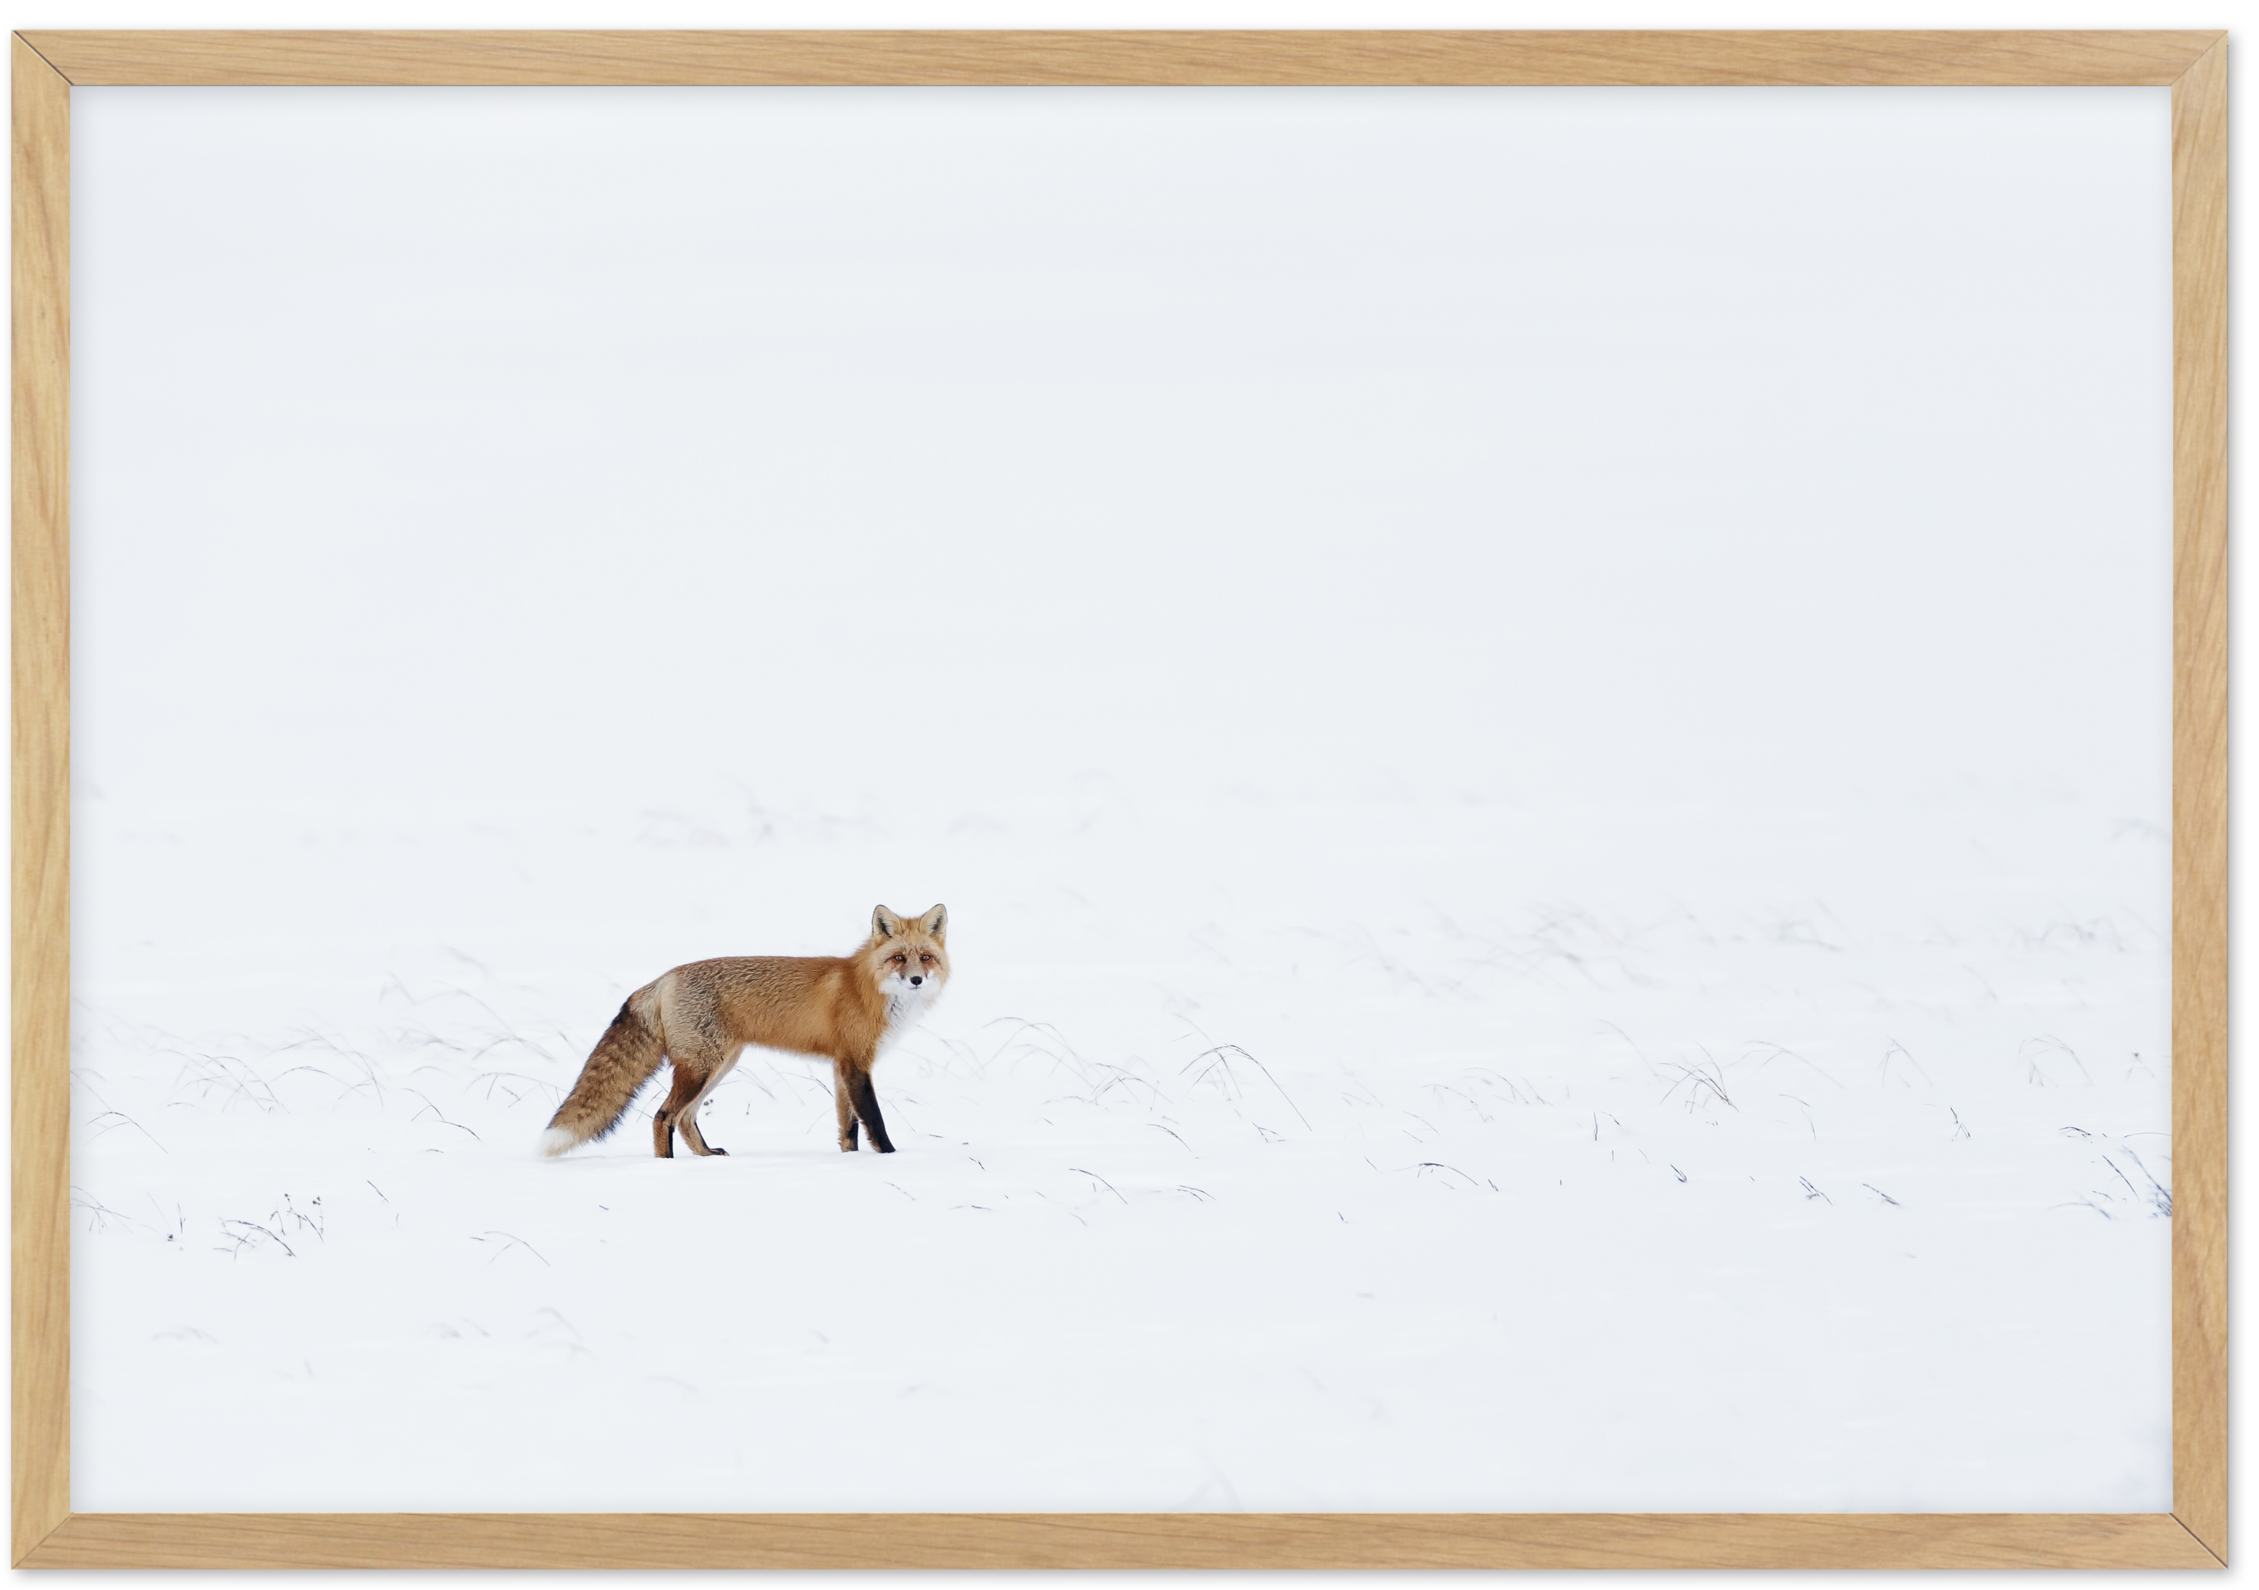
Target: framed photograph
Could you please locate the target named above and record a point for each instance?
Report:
(1549, 710)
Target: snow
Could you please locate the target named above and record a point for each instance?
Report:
(1534, 925)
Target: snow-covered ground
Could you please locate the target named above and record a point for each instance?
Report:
(1542, 717)
(1397, 1155)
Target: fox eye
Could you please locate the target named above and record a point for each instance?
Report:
(901, 960)
(927, 959)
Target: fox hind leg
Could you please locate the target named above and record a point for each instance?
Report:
(688, 1084)
(686, 1120)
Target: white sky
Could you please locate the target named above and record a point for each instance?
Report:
(530, 450)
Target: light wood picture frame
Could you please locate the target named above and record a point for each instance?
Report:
(47, 65)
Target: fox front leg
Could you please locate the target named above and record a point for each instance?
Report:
(866, 1107)
(842, 1098)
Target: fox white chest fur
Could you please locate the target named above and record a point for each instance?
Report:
(906, 1006)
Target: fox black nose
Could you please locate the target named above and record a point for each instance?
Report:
(915, 981)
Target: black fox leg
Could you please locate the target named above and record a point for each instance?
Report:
(843, 1100)
(866, 1106)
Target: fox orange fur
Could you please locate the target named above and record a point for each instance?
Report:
(700, 1017)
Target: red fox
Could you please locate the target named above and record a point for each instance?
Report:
(844, 1008)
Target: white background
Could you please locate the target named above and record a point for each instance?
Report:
(1556, 684)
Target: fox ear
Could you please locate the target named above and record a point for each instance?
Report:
(936, 921)
(884, 923)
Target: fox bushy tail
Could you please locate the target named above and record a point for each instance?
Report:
(621, 1062)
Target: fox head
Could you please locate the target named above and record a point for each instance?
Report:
(908, 953)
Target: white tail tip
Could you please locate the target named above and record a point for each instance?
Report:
(554, 1142)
